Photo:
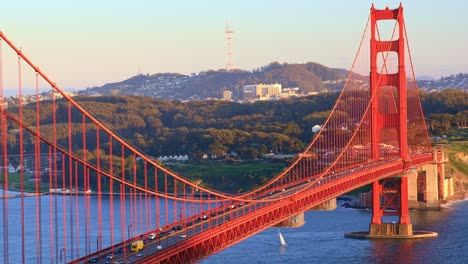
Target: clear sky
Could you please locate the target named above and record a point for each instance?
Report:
(89, 43)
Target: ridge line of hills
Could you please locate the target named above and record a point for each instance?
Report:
(308, 77)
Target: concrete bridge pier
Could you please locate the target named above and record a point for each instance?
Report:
(293, 222)
(299, 219)
(428, 185)
(390, 198)
(418, 188)
(423, 187)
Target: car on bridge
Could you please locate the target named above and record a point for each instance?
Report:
(137, 246)
(203, 217)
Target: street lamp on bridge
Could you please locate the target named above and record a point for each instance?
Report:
(63, 255)
(98, 239)
(130, 227)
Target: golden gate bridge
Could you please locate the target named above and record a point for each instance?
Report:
(115, 197)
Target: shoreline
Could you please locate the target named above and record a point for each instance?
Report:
(28, 194)
(18, 194)
(442, 203)
(455, 199)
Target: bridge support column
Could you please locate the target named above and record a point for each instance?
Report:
(390, 194)
(427, 186)
(376, 211)
(412, 176)
(448, 187)
(432, 185)
(294, 222)
(390, 198)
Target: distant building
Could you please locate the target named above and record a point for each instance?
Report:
(227, 95)
(10, 169)
(289, 92)
(262, 91)
(250, 92)
(267, 91)
(174, 158)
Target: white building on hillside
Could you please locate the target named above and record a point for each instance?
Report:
(227, 95)
(262, 91)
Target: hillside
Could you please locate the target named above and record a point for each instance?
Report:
(458, 167)
(309, 77)
(457, 81)
(233, 131)
(456, 149)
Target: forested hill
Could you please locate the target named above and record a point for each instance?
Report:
(309, 77)
(162, 127)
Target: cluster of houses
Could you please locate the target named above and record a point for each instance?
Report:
(173, 158)
(12, 101)
(10, 169)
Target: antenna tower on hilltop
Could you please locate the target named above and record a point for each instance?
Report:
(229, 32)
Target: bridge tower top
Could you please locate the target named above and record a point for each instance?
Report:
(381, 78)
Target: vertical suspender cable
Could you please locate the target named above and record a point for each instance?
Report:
(99, 187)
(5, 166)
(175, 202)
(147, 209)
(37, 173)
(77, 211)
(111, 193)
(70, 181)
(131, 223)
(20, 110)
(123, 215)
(85, 185)
(53, 170)
(156, 200)
(63, 249)
(51, 204)
(135, 214)
(166, 213)
(141, 213)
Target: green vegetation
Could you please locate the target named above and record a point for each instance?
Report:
(14, 178)
(231, 177)
(454, 151)
(159, 127)
(30, 187)
(460, 165)
(14, 183)
(445, 110)
(458, 135)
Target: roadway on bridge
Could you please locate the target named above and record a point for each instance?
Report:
(179, 232)
(192, 226)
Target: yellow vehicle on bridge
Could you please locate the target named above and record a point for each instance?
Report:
(137, 246)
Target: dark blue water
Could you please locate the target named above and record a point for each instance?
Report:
(321, 240)
(51, 246)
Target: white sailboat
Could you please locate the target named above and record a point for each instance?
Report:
(282, 241)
